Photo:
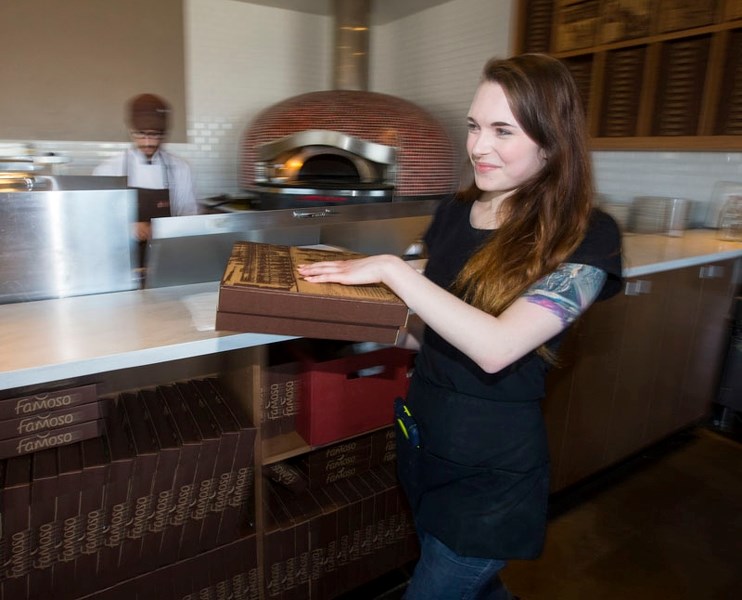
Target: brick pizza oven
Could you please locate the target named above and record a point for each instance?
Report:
(346, 145)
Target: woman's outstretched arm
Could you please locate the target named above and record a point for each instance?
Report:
(491, 342)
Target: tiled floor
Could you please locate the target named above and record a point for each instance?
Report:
(665, 525)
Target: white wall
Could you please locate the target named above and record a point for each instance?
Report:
(434, 58)
(242, 57)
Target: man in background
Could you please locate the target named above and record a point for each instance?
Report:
(164, 182)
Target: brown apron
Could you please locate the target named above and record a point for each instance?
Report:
(151, 203)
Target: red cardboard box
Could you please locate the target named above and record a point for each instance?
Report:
(350, 395)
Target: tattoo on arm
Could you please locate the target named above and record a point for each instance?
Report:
(568, 291)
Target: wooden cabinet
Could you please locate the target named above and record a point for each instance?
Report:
(363, 523)
(652, 74)
(709, 340)
(294, 529)
(579, 392)
(638, 352)
(638, 367)
(680, 291)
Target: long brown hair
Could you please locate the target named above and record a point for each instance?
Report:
(546, 217)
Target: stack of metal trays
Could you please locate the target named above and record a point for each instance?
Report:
(25, 173)
(660, 214)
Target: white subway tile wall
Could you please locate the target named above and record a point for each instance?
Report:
(620, 176)
(434, 58)
(241, 58)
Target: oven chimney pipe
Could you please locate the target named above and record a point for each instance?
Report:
(350, 68)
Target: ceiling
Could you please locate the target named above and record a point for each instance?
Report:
(382, 11)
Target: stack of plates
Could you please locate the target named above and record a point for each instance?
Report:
(648, 214)
(660, 214)
(28, 164)
(15, 164)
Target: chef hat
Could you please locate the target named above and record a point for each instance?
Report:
(148, 112)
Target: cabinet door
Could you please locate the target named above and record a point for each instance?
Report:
(637, 366)
(584, 392)
(710, 332)
(675, 332)
(559, 383)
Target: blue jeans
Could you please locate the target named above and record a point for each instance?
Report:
(441, 574)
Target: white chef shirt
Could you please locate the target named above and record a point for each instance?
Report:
(166, 170)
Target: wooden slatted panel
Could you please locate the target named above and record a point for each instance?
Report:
(622, 90)
(733, 10)
(674, 15)
(576, 25)
(680, 86)
(729, 115)
(625, 20)
(581, 68)
(539, 16)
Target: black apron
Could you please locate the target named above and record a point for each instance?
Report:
(151, 203)
(480, 480)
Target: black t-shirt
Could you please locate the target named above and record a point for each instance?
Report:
(451, 240)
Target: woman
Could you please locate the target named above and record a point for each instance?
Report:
(513, 260)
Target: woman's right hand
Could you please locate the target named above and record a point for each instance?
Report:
(361, 271)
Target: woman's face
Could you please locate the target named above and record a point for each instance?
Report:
(502, 155)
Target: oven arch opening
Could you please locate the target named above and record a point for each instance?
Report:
(329, 168)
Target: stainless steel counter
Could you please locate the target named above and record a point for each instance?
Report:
(68, 240)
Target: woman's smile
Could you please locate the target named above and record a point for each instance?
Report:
(484, 167)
